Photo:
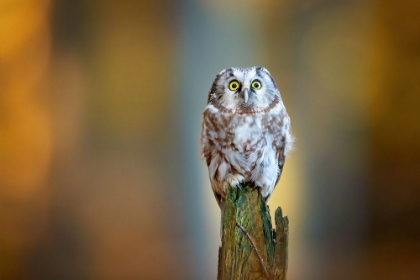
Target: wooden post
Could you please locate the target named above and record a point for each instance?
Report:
(251, 249)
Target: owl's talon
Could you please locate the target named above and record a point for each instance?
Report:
(234, 180)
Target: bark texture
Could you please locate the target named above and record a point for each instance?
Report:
(251, 249)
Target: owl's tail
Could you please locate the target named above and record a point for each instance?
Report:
(222, 213)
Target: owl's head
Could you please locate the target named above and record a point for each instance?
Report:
(244, 90)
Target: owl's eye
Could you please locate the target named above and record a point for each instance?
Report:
(256, 84)
(234, 85)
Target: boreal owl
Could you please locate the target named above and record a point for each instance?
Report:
(245, 131)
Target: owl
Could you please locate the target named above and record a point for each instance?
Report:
(246, 132)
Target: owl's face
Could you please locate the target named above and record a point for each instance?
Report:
(244, 89)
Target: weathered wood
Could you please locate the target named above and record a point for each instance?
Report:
(282, 244)
(251, 249)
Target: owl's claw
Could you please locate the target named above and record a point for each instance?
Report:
(240, 184)
(236, 180)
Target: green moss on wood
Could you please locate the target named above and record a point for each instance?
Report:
(251, 249)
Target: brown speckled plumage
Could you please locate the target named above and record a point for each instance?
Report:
(245, 138)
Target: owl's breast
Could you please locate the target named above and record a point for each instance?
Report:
(246, 132)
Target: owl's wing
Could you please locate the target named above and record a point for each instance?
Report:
(287, 146)
(204, 143)
(281, 164)
(281, 159)
(207, 146)
(220, 200)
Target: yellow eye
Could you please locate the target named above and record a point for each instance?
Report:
(234, 85)
(256, 84)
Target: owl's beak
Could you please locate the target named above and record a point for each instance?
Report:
(245, 95)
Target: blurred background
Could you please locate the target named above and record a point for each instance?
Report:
(100, 115)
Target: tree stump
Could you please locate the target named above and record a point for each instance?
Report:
(251, 249)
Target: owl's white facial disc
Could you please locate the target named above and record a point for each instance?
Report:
(244, 89)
